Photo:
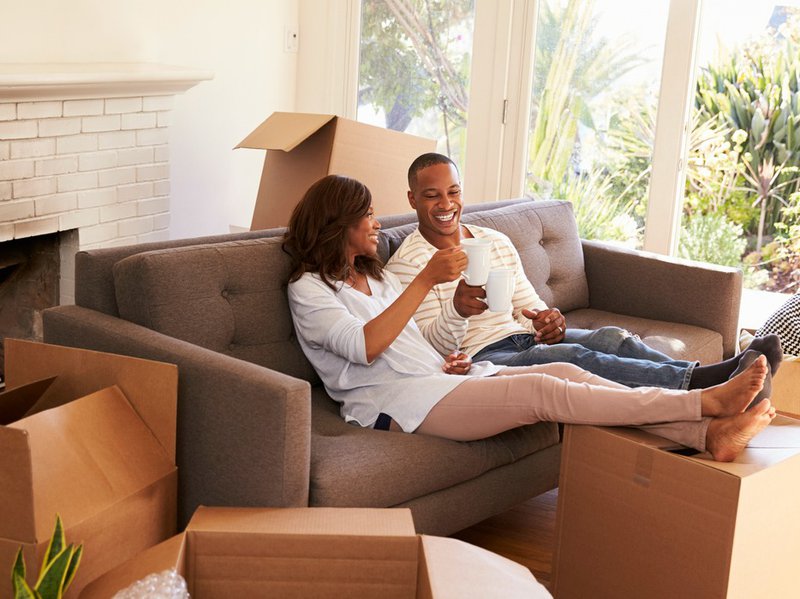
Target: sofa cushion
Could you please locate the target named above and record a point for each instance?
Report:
(227, 297)
(354, 466)
(679, 341)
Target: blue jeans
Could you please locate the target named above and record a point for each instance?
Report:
(610, 352)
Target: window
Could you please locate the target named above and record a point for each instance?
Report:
(596, 79)
(414, 68)
(593, 100)
(741, 202)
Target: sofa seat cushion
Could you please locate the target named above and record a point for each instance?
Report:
(355, 466)
(679, 341)
(226, 297)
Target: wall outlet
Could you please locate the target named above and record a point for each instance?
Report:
(290, 39)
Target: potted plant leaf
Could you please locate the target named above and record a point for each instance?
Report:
(58, 569)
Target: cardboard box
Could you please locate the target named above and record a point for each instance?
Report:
(637, 520)
(302, 148)
(786, 387)
(90, 436)
(322, 552)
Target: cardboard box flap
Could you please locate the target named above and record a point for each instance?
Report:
(87, 455)
(301, 552)
(15, 403)
(321, 520)
(17, 521)
(453, 569)
(150, 387)
(285, 131)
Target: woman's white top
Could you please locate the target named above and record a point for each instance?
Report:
(405, 381)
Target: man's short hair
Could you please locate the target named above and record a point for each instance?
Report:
(424, 161)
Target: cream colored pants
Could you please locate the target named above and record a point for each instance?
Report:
(560, 392)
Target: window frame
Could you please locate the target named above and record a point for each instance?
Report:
(500, 95)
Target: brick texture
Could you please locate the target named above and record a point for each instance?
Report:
(100, 166)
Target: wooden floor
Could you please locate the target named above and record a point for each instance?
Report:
(523, 534)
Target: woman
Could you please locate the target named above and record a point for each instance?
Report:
(354, 323)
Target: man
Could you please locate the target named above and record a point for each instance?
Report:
(453, 316)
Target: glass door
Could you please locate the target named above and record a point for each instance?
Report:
(742, 206)
(414, 68)
(596, 80)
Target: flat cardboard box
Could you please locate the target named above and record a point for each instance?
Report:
(786, 387)
(637, 520)
(302, 148)
(322, 552)
(90, 436)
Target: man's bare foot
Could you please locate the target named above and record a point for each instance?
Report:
(727, 437)
(735, 394)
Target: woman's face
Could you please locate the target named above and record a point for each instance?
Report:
(362, 238)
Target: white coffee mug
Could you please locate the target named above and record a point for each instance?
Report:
(499, 289)
(477, 251)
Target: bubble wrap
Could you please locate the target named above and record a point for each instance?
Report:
(164, 585)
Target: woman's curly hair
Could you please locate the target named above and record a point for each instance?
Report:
(316, 238)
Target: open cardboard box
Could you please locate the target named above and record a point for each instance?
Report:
(637, 520)
(302, 148)
(322, 552)
(89, 436)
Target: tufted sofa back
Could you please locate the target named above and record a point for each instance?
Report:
(230, 297)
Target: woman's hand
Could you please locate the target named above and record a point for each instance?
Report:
(457, 363)
(380, 332)
(444, 266)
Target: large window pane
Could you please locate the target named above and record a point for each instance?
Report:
(741, 205)
(597, 71)
(414, 68)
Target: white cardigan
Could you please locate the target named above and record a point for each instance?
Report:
(405, 381)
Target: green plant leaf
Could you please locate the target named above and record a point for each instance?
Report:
(72, 568)
(57, 543)
(19, 566)
(51, 580)
(21, 588)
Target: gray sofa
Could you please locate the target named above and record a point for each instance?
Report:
(255, 426)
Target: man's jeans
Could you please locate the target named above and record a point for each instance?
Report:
(609, 352)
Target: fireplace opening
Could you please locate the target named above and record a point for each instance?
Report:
(10, 265)
(30, 281)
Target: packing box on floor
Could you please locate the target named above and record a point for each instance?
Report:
(89, 436)
(786, 387)
(636, 520)
(321, 552)
(302, 148)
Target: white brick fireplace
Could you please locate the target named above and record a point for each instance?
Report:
(86, 148)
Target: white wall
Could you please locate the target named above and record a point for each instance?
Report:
(240, 41)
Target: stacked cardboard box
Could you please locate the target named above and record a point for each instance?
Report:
(91, 437)
(636, 519)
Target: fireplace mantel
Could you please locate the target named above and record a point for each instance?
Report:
(85, 148)
(26, 82)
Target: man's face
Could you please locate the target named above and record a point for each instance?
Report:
(437, 199)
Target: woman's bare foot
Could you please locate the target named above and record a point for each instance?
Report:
(727, 437)
(735, 394)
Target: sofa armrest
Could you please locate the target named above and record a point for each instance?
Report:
(244, 431)
(649, 285)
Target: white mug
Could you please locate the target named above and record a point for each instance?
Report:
(477, 251)
(499, 289)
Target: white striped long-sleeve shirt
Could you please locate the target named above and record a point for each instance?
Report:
(437, 318)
